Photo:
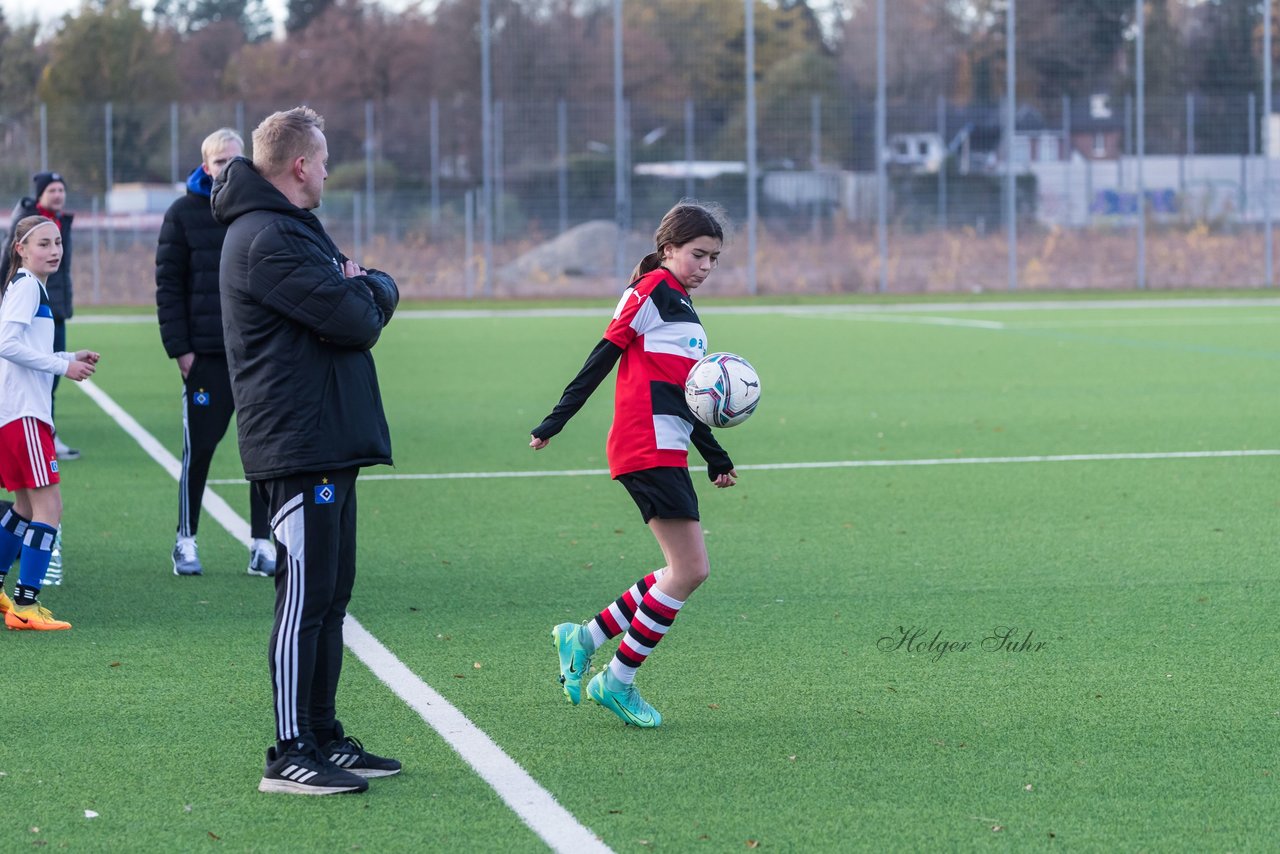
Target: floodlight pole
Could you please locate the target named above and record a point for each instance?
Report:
(1266, 135)
(619, 150)
(1140, 125)
(882, 179)
(1010, 129)
(752, 168)
(486, 148)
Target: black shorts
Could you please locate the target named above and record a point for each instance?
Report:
(666, 493)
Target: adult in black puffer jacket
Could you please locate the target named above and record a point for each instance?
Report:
(299, 320)
(190, 311)
(298, 333)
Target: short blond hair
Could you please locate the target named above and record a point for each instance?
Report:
(284, 136)
(217, 140)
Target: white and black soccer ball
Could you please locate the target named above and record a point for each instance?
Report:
(722, 390)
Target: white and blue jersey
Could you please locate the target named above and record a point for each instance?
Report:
(28, 363)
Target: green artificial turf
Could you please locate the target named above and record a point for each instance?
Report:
(1006, 655)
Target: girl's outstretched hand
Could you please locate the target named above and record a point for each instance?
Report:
(538, 444)
(726, 480)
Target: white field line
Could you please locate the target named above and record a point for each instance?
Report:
(535, 806)
(1101, 323)
(834, 464)
(921, 320)
(603, 311)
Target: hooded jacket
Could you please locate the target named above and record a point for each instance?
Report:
(298, 335)
(59, 283)
(187, 260)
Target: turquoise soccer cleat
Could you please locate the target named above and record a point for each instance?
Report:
(623, 700)
(575, 661)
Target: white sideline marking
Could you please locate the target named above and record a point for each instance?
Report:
(836, 464)
(924, 319)
(840, 308)
(214, 503)
(535, 806)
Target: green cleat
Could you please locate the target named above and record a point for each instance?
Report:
(623, 700)
(575, 661)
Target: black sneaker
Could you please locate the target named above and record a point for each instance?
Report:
(303, 770)
(348, 753)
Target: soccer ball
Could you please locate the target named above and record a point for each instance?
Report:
(722, 390)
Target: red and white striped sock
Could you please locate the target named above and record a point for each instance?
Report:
(653, 618)
(613, 621)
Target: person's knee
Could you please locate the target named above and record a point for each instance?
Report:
(697, 571)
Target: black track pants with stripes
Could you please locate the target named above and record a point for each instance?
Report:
(207, 408)
(314, 519)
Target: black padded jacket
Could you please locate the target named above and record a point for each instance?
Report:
(298, 335)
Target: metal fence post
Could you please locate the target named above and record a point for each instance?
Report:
(815, 159)
(174, 165)
(357, 247)
(434, 130)
(110, 153)
(688, 147)
(562, 164)
(96, 251)
(942, 169)
(44, 137)
(752, 167)
(369, 144)
(469, 242)
(1267, 108)
(499, 178)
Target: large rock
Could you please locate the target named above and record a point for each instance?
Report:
(579, 262)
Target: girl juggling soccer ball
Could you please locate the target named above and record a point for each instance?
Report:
(28, 463)
(656, 334)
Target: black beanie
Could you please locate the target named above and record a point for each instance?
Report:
(43, 179)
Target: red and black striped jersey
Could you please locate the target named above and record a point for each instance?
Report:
(657, 336)
(661, 338)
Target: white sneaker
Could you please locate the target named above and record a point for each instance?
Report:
(185, 559)
(64, 453)
(262, 558)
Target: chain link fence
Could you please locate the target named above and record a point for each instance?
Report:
(839, 192)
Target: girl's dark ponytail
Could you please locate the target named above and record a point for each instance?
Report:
(647, 264)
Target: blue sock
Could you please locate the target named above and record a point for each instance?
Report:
(12, 529)
(37, 548)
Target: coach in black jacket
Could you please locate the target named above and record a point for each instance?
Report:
(190, 311)
(299, 320)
